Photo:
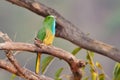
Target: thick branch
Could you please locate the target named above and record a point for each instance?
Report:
(67, 30)
(51, 50)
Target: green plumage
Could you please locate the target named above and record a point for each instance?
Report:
(49, 23)
(41, 34)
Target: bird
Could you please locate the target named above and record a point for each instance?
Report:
(45, 35)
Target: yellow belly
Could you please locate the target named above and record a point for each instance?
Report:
(48, 38)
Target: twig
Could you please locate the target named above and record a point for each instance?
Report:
(10, 56)
(5, 37)
(65, 29)
(16, 65)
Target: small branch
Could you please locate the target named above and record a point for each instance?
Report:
(20, 70)
(9, 67)
(68, 31)
(10, 56)
(5, 37)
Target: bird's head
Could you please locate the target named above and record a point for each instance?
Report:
(50, 22)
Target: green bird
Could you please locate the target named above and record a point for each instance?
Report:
(46, 35)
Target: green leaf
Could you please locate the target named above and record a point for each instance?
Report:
(13, 77)
(45, 63)
(89, 57)
(101, 76)
(94, 75)
(91, 53)
(116, 72)
(76, 50)
(58, 73)
(99, 65)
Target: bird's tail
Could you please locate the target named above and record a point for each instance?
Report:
(37, 67)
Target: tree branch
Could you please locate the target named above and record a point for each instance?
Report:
(10, 56)
(9, 67)
(15, 67)
(75, 64)
(68, 31)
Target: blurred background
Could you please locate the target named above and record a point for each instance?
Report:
(100, 18)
